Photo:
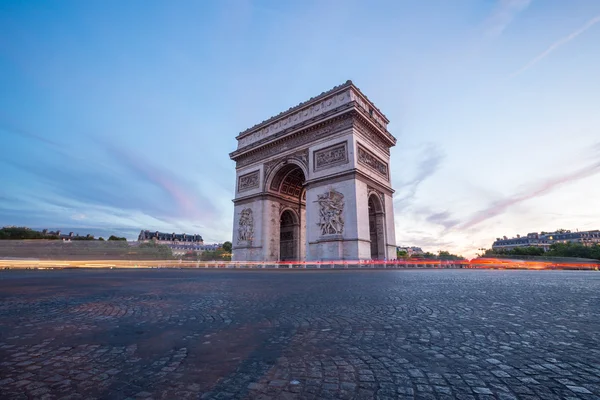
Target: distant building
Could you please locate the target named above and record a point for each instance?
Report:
(546, 239)
(411, 251)
(179, 243)
(64, 237)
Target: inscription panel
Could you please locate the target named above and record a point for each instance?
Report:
(330, 156)
(371, 161)
(248, 181)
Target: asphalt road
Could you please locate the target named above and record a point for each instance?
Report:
(189, 334)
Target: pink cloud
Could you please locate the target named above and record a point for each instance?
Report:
(537, 190)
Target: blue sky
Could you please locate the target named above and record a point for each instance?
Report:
(117, 116)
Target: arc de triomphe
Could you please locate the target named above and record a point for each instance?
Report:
(313, 183)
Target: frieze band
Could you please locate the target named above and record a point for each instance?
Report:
(248, 181)
(370, 160)
(302, 138)
(330, 156)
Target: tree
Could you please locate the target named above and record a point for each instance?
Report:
(227, 247)
(87, 237)
(402, 254)
(101, 239)
(22, 233)
(113, 237)
(445, 255)
(216, 255)
(574, 250)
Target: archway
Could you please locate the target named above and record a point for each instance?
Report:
(288, 237)
(287, 184)
(376, 227)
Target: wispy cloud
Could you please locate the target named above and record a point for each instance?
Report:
(442, 218)
(78, 217)
(13, 130)
(431, 160)
(502, 16)
(189, 203)
(536, 190)
(557, 44)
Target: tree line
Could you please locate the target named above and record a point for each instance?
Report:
(24, 233)
(569, 249)
(442, 255)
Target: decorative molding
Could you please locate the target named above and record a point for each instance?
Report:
(294, 208)
(251, 199)
(379, 194)
(331, 207)
(338, 238)
(246, 226)
(248, 181)
(331, 156)
(299, 139)
(333, 99)
(371, 135)
(268, 167)
(300, 156)
(370, 160)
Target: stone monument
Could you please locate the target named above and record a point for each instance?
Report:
(313, 183)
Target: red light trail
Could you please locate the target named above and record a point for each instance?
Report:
(478, 263)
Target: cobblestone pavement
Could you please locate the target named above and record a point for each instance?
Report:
(189, 334)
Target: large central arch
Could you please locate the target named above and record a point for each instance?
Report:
(287, 186)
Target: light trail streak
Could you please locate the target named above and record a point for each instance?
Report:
(478, 263)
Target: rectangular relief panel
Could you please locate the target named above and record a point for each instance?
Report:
(248, 181)
(368, 159)
(331, 156)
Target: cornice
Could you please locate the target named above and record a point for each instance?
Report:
(382, 133)
(310, 110)
(290, 110)
(288, 135)
(344, 112)
(268, 196)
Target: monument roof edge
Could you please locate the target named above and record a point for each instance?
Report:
(345, 85)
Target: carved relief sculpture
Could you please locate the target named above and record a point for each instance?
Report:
(246, 226)
(330, 156)
(331, 206)
(248, 181)
(371, 161)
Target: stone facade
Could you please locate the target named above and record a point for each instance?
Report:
(313, 183)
